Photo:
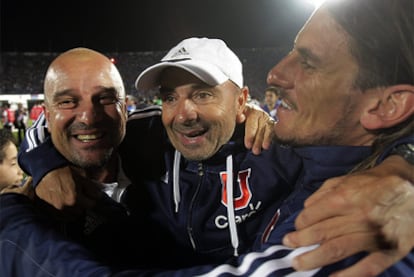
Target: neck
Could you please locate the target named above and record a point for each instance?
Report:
(105, 174)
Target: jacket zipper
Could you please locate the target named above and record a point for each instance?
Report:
(190, 216)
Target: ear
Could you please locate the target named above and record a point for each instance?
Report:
(242, 101)
(394, 106)
(47, 115)
(125, 110)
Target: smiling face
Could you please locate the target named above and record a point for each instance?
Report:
(198, 118)
(321, 105)
(84, 107)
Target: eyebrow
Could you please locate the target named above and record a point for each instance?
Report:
(308, 54)
(69, 91)
(58, 94)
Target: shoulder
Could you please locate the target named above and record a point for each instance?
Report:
(147, 112)
(144, 142)
(144, 125)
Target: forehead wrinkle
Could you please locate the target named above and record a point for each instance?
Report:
(99, 89)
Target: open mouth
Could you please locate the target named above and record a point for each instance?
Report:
(284, 104)
(194, 134)
(89, 137)
(280, 103)
(192, 137)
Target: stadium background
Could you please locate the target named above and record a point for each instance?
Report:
(137, 33)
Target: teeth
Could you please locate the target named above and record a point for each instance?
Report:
(86, 137)
(286, 106)
(194, 133)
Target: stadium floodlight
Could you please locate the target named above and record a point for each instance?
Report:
(316, 3)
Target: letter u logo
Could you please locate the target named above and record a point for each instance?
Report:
(243, 200)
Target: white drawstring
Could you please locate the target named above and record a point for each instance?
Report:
(176, 179)
(230, 197)
(230, 205)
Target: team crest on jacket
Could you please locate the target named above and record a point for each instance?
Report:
(242, 199)
(245, 194)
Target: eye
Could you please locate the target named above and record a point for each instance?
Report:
(108, 99)
(305, 64)
(167, 98)
(203, 96)
(66, 104)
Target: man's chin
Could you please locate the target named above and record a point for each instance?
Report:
(286, 141)
(91, 160)
(193, 155)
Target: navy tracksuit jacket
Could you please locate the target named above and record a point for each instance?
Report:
(197, 233)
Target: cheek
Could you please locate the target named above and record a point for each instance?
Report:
(116, 113)
(314, 98)
(55, 119)
(17, 170)
(226, 128)
(3, 170)
(57, 123)
(8, 174)
(166, 117)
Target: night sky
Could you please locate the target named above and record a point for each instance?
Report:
(146, 25)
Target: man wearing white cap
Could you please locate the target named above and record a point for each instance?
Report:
(210, 60)
(201, 86)
(213, 190)
(191, 170)
(217, 203)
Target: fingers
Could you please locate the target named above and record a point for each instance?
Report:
(259, 130)
(340, 196)
(368, 211)
(335, 250)
(260, 135)
(328, 229)
(258, 141)
(57, 188)
(268, 134)
(252, 127)
(65, 189)
(348, 239)
(327, 186)
(372, 265)
(55, 195)
(333, 204)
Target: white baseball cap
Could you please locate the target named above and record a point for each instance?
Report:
(210, 60)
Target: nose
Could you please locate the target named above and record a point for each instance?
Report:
(89, 112)
(186, 111)
(282, 73)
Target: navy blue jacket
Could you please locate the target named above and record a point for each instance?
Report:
(199, 227)
(266, 258)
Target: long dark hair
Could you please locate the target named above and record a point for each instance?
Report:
(381, 38)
